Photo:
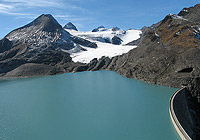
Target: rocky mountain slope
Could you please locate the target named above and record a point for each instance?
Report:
(41, 47)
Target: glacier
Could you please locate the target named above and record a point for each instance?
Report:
(103, 39)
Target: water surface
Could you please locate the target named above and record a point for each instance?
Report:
(98, 105)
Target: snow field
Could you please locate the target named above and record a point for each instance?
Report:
(104, 49)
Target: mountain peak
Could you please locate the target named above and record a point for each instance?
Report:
(45, 22)
(70, 26)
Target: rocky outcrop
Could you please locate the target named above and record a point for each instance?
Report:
(94, 65)
(191, 14)
(115, 28)
(5, 45)
(116, 40)
(100, 28)
(84, 42)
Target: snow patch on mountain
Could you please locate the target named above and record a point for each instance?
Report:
(103, 49)
(130, 35)
(174, 16)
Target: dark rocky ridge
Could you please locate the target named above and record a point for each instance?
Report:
(116, 40)
(5, 45)
(84, 42)
(191, 13)
(98, 29)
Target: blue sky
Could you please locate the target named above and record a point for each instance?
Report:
(89, 14)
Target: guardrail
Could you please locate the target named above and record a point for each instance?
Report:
(176, 123)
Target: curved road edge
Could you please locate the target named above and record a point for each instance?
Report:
(180, 130)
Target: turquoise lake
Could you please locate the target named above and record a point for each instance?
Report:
(100, 105)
